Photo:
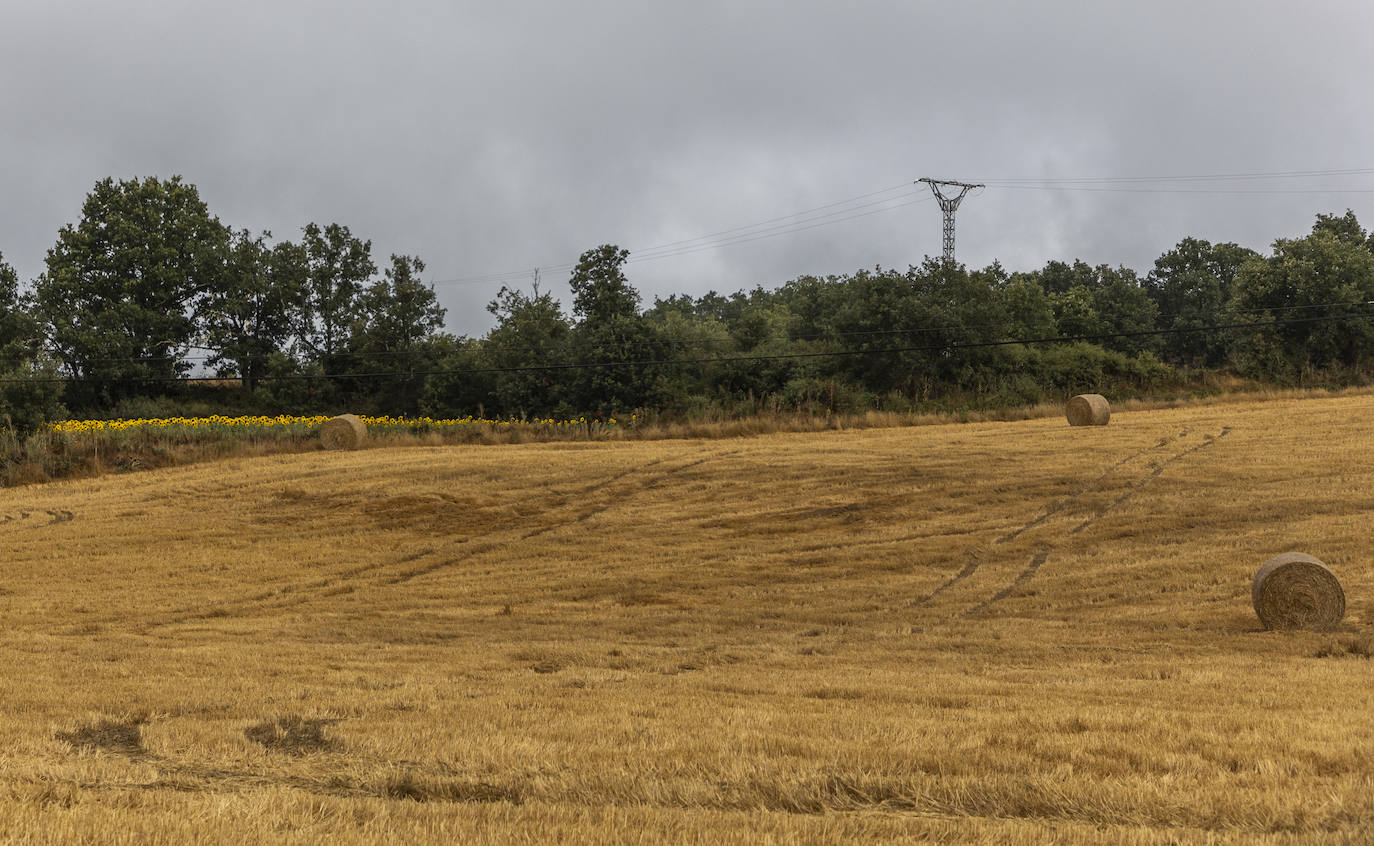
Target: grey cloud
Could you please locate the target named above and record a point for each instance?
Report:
(491, 137)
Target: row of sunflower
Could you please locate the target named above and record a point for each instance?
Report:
(299, 425)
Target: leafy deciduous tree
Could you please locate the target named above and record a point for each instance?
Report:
(613, 336)
(1328, 268)
(531, 332)
(337, 266)
(248, 313)
(121, 287)
(29, 393)
(399, 317)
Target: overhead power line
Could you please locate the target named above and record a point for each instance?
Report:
(1215, 191)
(839, 211)
(892, 198)
(1193, 184)
(786, 229)
(1282, 174)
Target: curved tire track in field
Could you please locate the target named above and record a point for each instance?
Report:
(1041, 555)
(970, 568)
(1036, 562)
(617, 496)
(1150, 477)
(347, 579)
(975, 559)
(1064, 503)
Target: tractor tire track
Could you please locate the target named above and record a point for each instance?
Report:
(1037, 561)
(975, 558)
(618, 496)
(1153, 474)
(1042, 555)
(1064, 503)
(347, 579)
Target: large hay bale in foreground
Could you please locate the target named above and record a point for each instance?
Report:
(346, 431)
(1088, 410)
(1296, 591)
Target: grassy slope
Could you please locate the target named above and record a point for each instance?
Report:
(1001, 631)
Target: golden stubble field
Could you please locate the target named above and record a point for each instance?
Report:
(1004, 632)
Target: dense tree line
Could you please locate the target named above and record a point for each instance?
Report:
(149, 275)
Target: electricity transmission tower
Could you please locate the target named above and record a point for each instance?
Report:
(948, 205)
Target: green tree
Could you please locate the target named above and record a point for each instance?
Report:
(1028, 308)
(397, 325)
(1327, 274)
(337, 265)
(461, 383)
(600, 290)
(1345, 228)
(1125, 310)
(29, 390)
(1057, 277)
(530, 343)
(760, 332)
(248, 314)
(689, 336)
(121, 287)
(399, 311)
(1103, 302)
(1191, 285)
(611, 339)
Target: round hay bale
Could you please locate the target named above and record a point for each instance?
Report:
(346, 431)
(1088, 410)
(1296, 591)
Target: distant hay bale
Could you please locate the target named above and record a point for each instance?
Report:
(346, 431)
(1088, 410)
(1296, 591)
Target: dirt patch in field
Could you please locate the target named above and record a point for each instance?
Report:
(120, 737)
(430, 511)
(294, 735)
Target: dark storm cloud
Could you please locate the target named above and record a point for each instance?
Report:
(498, 137)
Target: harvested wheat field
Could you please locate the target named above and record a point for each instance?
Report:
(1006, 632)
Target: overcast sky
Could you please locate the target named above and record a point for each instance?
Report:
(492, 138)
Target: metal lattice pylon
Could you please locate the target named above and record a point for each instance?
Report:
(948, 205)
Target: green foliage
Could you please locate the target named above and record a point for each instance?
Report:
(29, 394)
(1107, 305)
(600, 290)
(1081, 367)
(118, 299)
(309, 325)
(611, 342)
(459, 385)
(1030, 311)
(247, 314)
(1192, 285)
(1332, 265)
(1344, 228)
(532, 344)
(627, 342)
(337, 265)
(396, 333)
(399, 312)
